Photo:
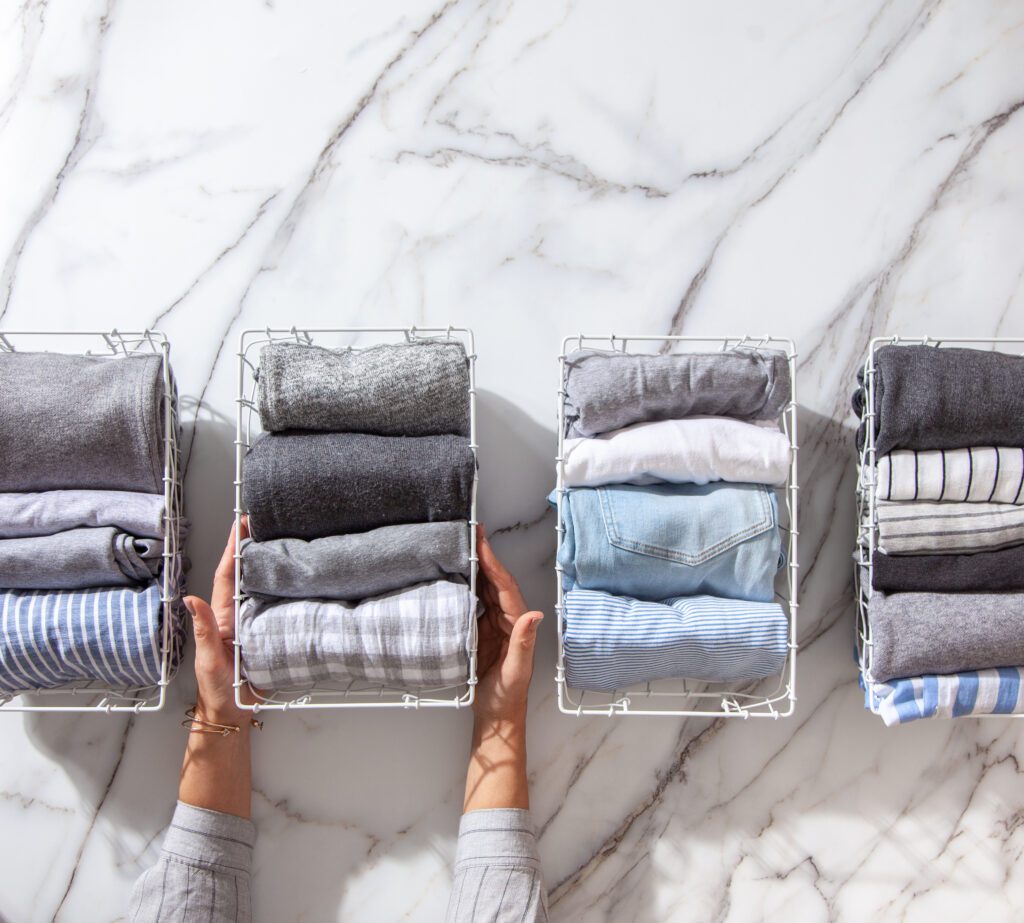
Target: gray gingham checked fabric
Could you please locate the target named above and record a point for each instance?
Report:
(412, 638)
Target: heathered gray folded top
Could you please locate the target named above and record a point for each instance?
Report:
(392, 389)
(913, 634)
(356, 566)
(81, 421)
(609, 390)
(928, 397)
(309, 485)
(77, 559)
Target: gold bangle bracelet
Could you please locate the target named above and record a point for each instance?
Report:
(211, 727)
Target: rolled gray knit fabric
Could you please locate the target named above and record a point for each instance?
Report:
(309, 485)
(609, 390)
(355, 566)
(936, 398)
(77, 559)
(983, 571)
(50, 511)
(81, 421)
(392, 389)
(913, 634)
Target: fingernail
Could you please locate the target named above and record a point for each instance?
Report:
(188, 605)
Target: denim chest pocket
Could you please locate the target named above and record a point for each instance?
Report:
(686, 523)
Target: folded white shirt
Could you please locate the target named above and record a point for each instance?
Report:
(694, 450)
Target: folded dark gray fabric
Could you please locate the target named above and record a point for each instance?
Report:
(913, 634)
(77, 559)
(392, 389)
(51, 511)
(309, 485)
(81, 421)
(938, 398)
(984, 571)
(609, 390)
(353, 567)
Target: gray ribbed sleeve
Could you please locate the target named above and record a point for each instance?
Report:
(202, 873)
(497, 872)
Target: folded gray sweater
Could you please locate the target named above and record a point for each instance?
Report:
(50, 511)
(609, 390)
(983, 571)
(310, 485)
(928, 397)
(392, 389)
(81, 421)
(352, 567)
(913, 634)
(77, 559)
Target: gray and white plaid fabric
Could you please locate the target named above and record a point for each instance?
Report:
(412, 638)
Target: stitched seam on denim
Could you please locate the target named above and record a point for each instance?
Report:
(684, 557)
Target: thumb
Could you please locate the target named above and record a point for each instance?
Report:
(209, 651)
(521, 644)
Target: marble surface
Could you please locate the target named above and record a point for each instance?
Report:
(826, 172)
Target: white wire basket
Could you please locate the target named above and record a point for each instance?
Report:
(350, 695)
(867, 511)
(93, 696)
(681, 697)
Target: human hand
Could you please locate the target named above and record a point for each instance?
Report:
(506, 641)
(213, 625)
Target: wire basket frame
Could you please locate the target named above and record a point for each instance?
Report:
(352, 694)
(681, 697)
(867, 509)
(90, 696)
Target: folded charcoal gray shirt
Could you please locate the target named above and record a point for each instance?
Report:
(310, 485)
(928, 397)
(358, 565)
(204, 870)
(77, 559)
(980, 572)
(609, 390)
(81, 422)
(392, 389)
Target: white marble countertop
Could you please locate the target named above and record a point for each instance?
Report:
(826, 172)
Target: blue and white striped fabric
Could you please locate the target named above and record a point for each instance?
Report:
(612, 642)
(955, 695)
(51, 638)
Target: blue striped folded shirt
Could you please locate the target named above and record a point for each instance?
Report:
(612, 642)
(953, 695)
(50, 638)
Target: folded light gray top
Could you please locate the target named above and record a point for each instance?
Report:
(608, 390)
(309, 485)
(78, 558)
(913, 634)
(355, 566)
(59, 510)
(81, 421)
(392, 389)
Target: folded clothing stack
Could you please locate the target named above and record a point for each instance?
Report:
(671, 536)
(83, 522)
(359, 495)
(947, 572)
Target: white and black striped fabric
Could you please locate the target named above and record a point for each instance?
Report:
(974, 475)
(926, 527)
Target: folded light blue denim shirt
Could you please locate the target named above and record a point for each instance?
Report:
(665, 540)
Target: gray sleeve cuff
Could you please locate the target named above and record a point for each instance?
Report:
(200, 836)
(497, 837)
